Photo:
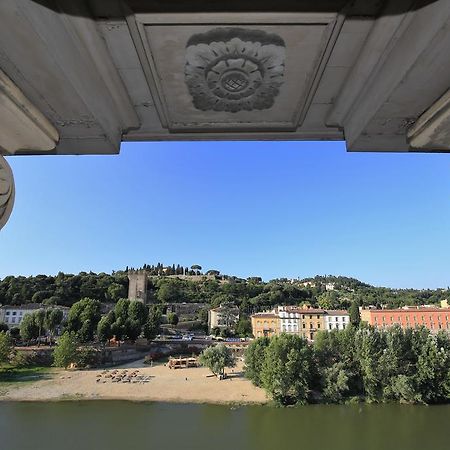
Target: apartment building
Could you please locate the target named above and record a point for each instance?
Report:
(313, 320)
(303, 321)
(336, 320)
(435, 319)
(265, 324)
(12, 315)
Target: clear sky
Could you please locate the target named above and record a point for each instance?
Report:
(272, 209)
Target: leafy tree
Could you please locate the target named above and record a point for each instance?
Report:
(53, 318)
(369, 348)
(244, 327)
(121, 309)
(254, 359)
(328, 300)
(52, 301)
(355, 317)
(202, 316)
(335, 383)
(3, 327)
(83, 319)
(432, 376)
(86, 357)
(169, 291)
(115, 291)
(28, 327)
(39, 318)
(104, 329)
(5, 347)
(151, 327)
(217, 358)
(133, 329)
(172, 318)
(40, 296)
(138, 311)
(286, 372)
(66, 351)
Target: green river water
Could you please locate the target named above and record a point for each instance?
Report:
(111, 425)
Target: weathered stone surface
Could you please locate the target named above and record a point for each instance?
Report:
(7, 191)
(234, 69)
(102, 72)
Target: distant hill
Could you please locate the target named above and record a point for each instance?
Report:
(251, 294)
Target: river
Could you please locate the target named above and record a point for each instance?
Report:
(111, 425)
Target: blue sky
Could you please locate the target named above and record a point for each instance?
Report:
(272, 209)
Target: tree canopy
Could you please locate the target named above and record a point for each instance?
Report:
(217, 358)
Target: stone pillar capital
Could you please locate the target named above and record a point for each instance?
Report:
(7, 191)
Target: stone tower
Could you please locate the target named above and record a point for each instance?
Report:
(137, 289)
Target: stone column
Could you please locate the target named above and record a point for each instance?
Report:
(7, 191)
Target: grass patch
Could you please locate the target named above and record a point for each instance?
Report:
(11, 376)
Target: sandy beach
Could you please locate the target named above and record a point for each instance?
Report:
(192, 385)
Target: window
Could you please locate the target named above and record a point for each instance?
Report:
(318, 316)
(304, 325)
(310, 317)
(330, 326)
(13, 320)
(337, 319)
(318, 325)
(7, 313)
(310, 325)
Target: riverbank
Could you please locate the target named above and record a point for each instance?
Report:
(192, 385)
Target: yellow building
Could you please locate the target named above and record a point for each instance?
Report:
(312, 321)
(265, 324)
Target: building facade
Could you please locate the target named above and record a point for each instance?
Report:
(336, 320)
(223, 317)
(289, 320)
(302, 321)
(265, 324)
(435, 319)
(313, 320)
(13, 315)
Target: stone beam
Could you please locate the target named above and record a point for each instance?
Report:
(22, 125)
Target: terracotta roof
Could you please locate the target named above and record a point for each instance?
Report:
(336, 312)
(265, 314)
(411, 310)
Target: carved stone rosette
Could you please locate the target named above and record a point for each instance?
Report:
(234, 69)
(7, 191)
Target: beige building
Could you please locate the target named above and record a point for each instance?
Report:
(265, 324)
(223, 317)
(302, 321)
